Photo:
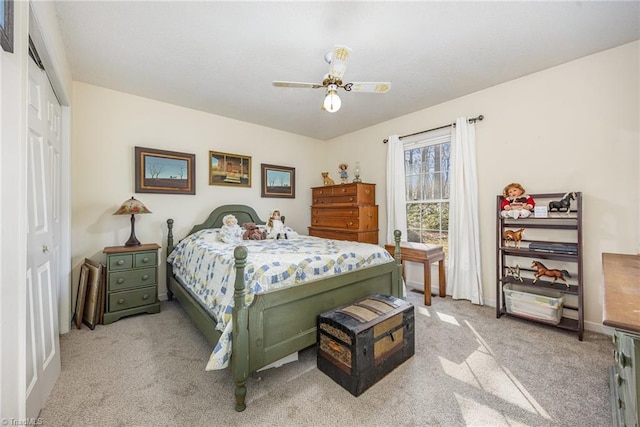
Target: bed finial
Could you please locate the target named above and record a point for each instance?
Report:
(169, 236)
(396, 252)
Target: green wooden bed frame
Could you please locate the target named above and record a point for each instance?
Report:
(282, 321)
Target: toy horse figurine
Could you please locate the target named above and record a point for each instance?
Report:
(563, 204)
(513, 235)
(543, 271)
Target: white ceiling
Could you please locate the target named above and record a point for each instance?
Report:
(221, 57)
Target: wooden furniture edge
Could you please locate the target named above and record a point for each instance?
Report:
(621, 272)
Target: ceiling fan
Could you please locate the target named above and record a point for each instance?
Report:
(337, 60)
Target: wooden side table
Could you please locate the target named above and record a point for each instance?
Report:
(425, 254)
(132, 281)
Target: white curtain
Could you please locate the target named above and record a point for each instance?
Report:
(396, 203)
(464, 275)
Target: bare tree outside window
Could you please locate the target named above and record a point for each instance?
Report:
(427, 192)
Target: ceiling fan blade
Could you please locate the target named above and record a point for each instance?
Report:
(371, 87)
(339, 59)
(297, 84)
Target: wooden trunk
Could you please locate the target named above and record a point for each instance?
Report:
(360, 343)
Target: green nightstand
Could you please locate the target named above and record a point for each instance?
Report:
(132, 281)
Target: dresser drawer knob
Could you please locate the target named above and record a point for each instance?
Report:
(120, 281)
(350, 223)
(121, 301)
(351, 199)
(145, 296)
(145, 260)
(621, 359)
(120, 262)
(344, 190)
(145, 277)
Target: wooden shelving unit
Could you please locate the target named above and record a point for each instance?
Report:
(558, 228)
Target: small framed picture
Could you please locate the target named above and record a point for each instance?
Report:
(91, 304)
(81, 295)
(229, 169)
(166, 172)
(6, 25)
(278, 181)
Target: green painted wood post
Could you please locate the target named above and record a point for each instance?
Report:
(397, 254)
(240, 343)
(169, 268)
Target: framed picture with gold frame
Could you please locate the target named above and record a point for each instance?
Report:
(91, 304)
(229, 169)
(81, 295)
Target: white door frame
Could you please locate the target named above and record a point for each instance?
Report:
(42, 19)
(45, 36)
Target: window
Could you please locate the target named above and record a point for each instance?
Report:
(426, 167)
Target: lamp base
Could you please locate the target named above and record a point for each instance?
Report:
(133, 241)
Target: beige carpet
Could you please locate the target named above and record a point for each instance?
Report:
(469, 369)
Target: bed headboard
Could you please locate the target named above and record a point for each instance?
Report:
(242, 212)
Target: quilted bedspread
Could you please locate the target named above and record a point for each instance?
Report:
(205, 265)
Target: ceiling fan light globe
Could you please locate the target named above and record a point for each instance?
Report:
(332, 102)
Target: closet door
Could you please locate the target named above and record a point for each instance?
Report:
(42, 355)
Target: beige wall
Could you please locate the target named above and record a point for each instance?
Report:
(574, 127)
(107, 125)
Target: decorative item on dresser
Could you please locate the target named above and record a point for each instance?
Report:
(345, 212)
(132, 281)
(620, 311)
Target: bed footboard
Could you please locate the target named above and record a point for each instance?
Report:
(282, 321)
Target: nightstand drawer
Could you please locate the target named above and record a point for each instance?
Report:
(131, 299)
(132, 278)
(145, 259)
(120, 262)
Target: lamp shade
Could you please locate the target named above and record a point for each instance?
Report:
(132, 207)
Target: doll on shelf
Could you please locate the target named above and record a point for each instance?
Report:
(275, 226)
(230, 232)
(515, 202)
(343, 172)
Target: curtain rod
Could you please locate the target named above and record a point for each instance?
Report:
(471, 120)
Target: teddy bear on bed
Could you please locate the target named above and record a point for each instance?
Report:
(230, 232)
(253, 232)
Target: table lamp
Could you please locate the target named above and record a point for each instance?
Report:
(132, 207)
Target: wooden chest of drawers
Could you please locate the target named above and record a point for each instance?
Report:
(624, 379)
(621, 301)
(345, 212)
(132, 281)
